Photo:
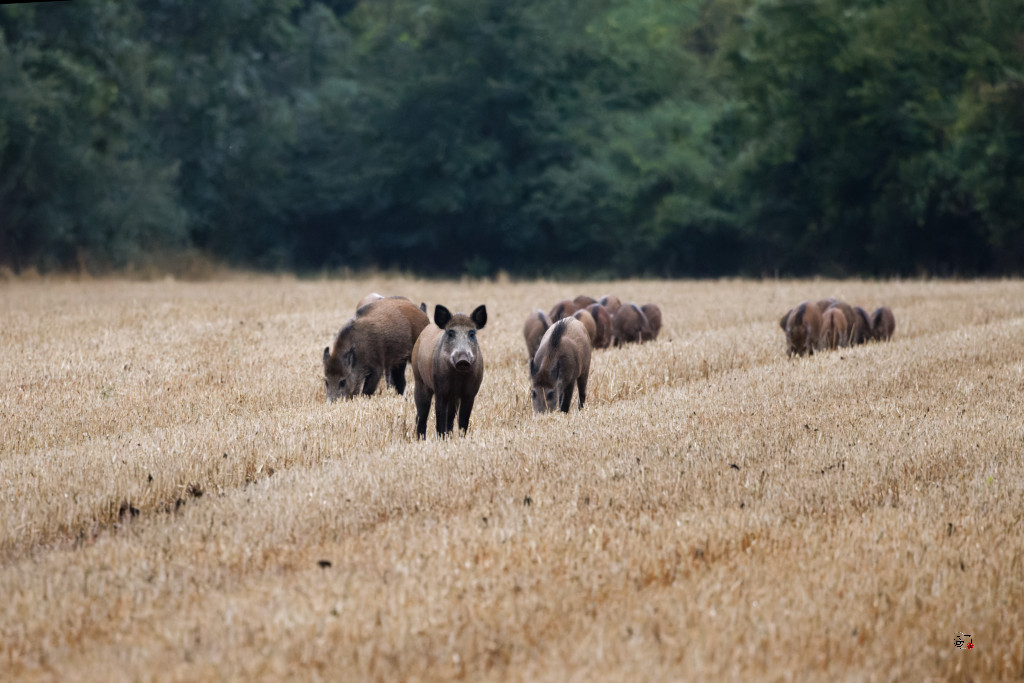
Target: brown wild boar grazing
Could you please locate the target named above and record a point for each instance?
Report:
(377, 340)
(833, 327)
(863, 332)
(803, 329)
(583, 315)
(603, 325)
(537, 323)
(584, 301)
(630, 325)
(883, 323)
(448, 367)
(653, 313)
(611, 302)
(563, 360)
(563, 309)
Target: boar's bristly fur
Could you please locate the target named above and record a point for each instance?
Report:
(630, 325)
(803, 329)
(563, 360)
(583, 315)
(883, 323)
(378, 339)
(603, 324)
(833, 327)
(653, 313)
(448, 367)
(537, 323)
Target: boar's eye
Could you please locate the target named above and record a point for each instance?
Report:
(533, 393)
(551, 395)
(327, 383)
(341, 383)
(451, 334)
(472, 334)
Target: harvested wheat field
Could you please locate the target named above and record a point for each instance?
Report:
(178, 501)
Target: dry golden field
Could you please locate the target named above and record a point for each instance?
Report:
(179, 502)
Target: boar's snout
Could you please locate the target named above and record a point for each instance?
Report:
(463, 360)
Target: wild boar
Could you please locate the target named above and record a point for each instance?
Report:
(855, 332)
(563, 309)
(584, 301)
(583, 315)
(630, 325)
(378, 339)
(448, 367)
(537, 323)
(603, 324)
(803, 329)
(833, 327)
(611, 302)
(653, 313)
(883, 323)
(863, 325)
(562, 360)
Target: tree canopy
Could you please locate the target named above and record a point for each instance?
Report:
(664, 137)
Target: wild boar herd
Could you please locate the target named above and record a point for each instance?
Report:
(830, 323)
(559, 343)
(386, 333)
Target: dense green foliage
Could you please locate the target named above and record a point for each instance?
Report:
(665, 137)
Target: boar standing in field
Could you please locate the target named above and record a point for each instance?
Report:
(630, 325)
(448, 367)
(653, 313)
(883, 323)
(611, 302)
(833, 327)
(583, 315)
(533, 329)
(563, 309)
(377, 340)
(803, 329)
(584, 301)
(603, 325)
(562, 360)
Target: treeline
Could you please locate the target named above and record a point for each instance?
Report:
(608, 137)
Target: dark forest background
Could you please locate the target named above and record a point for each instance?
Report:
(606, 137)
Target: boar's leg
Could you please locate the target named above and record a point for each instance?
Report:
(397, 376)
(465, 408)
(372, 380)
(441, 407)
(423, 396)
(453, 408)
(567, 398)
(582, 385)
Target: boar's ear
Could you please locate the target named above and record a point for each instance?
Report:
(479, 316)
(442, 316)
(423, 306)
(553, 373)
(533, 368)
(349, 357)
(785, 317)
(327, 354)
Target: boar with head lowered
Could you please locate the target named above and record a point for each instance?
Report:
(377, 340)
(563, 360)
